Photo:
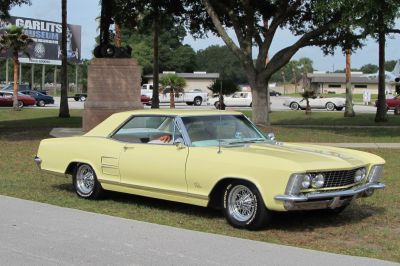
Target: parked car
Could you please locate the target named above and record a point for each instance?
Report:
(41, 99)
(194, 97)
(209, 158)
(146, 100)
(274, 93)
(22, 87)
(392, 103)
(237, 99)
(6, 99)
(319, 102)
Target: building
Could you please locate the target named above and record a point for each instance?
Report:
(336, 83)
(194, 81)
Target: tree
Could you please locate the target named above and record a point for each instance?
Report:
(349, 110)
(131, 13)
(255, 24)
(6, 5)
(223, 87)
(175, 85)
(307, 94)
(16, 41)
(64, 109)
(220, 59)
(369, 69)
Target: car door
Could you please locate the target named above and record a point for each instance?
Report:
(147, 163)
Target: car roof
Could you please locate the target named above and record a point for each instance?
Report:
(180, 112)
(105, 128)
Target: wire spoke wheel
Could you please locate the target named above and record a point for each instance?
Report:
(241, 203)
(85, 179)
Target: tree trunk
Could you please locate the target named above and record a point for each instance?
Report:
(259, 104)
(172, 99)
(15, 87)
(381, 111)
(349, 111)
(155, 102)
(64, 110)
(308, 107)
(117, 39)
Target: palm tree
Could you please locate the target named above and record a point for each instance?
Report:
(307, 94)
(349, 111)
(64, 110)
(176, 85)
(13, 39)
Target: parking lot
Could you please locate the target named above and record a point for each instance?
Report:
(277, 105)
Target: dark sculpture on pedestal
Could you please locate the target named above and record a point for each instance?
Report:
(113, 77)
(106, 49)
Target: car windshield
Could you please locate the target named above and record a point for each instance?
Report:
(224, 129)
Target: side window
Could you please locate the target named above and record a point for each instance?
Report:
(148, 129)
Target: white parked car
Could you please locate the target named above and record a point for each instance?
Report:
(236, 99)
(319, 102)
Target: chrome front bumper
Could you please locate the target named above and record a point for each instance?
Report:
(322, 200)
(38, 162)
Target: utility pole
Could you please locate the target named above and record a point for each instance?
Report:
(43, 75)
(284, 81)
(294, 79)
(76, 76)
(32, 76)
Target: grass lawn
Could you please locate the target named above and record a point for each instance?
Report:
(370, 227)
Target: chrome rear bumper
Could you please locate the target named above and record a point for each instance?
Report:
(323, 200)
(38, 161)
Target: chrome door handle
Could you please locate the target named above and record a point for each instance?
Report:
(128, 147)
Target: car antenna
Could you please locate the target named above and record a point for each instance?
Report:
(219, 135)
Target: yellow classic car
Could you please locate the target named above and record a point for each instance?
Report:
(215, 158)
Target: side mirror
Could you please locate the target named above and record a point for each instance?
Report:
(179, 143)
(271, 136)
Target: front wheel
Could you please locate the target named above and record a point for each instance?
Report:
(243, 206)
(82, 98)
(20, 104)
(330, 106)
(85, 182)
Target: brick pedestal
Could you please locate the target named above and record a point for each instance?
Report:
(113, 86)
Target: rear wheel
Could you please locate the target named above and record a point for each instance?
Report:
(41, 103)
(198, 101)
(82, 98)
(243, 206)
(330, 106)
(20, 104)
(85, 182)
(294, 106)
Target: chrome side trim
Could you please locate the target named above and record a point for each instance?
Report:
(156, 190)
(343, 193)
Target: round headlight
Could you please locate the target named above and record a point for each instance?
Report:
(306, 181)
(318, 181)
(360, 175)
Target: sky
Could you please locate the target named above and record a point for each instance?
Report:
(85, 12)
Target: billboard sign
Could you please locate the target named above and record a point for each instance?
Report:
(46, 48)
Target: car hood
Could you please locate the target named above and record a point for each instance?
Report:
(305, 157)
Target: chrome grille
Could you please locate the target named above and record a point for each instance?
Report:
(337, 178)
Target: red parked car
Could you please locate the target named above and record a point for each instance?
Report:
(6, 99)
(144, 99)
(393, 103)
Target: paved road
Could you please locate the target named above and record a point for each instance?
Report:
(40, 234)
(277, 105)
